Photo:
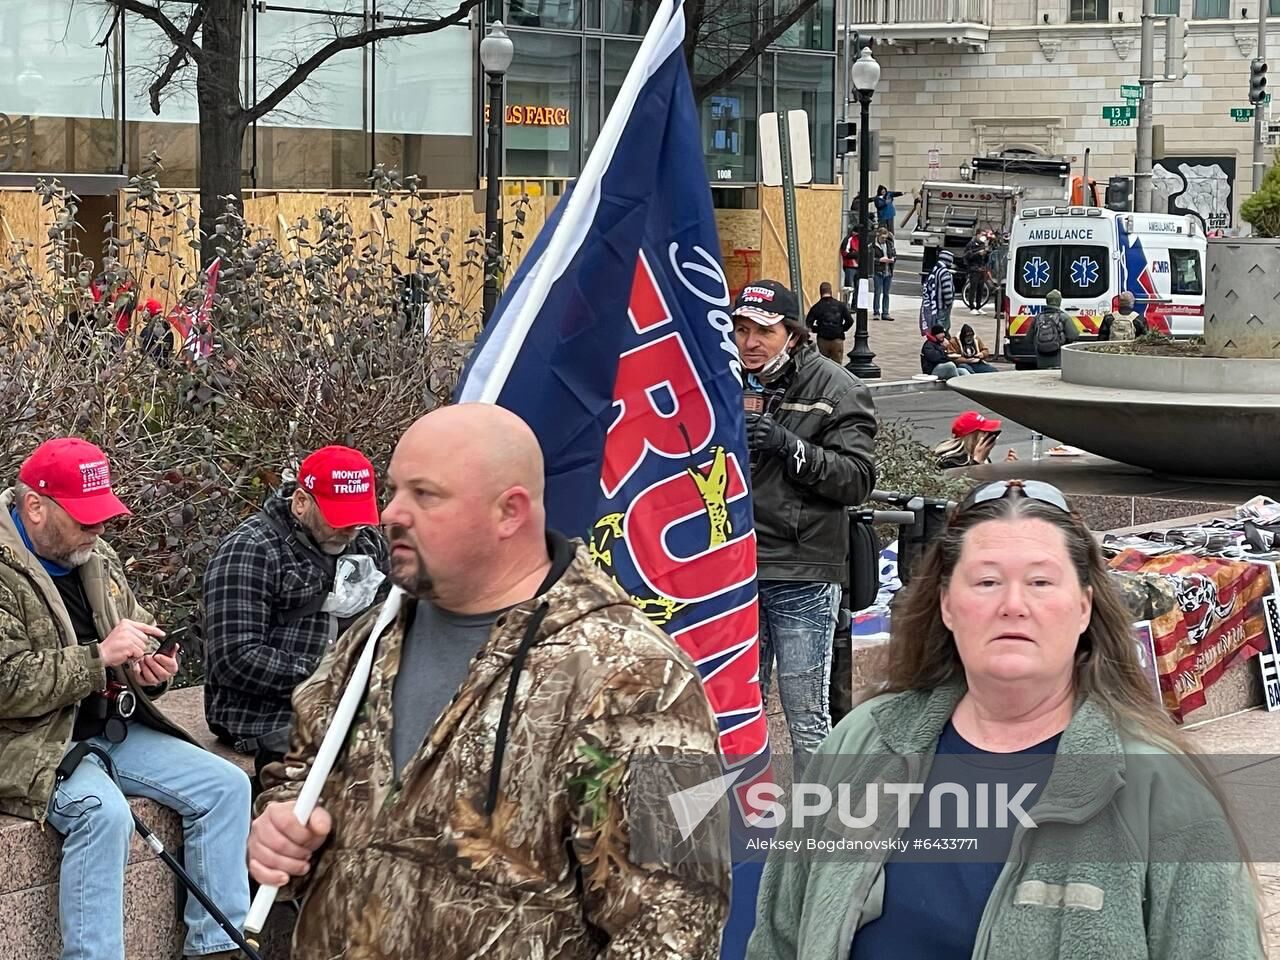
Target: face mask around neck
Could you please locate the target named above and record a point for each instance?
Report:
(774, 367)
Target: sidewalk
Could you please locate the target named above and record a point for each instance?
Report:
(897, 344)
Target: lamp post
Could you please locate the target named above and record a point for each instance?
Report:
(864, 75)
(496, 51)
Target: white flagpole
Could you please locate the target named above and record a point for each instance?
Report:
(334, 737)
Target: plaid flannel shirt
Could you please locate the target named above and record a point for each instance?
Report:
(260, 640)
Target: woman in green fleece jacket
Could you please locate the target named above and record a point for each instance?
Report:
(1059, 814)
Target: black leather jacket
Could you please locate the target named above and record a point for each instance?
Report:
(801, 497)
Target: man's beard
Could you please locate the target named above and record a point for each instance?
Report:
(417, 580)
(71, 561)
(334, 548)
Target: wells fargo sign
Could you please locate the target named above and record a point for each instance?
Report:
(518, 115)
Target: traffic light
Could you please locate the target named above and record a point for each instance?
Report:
(1257, 81)
(857, 41)
(1120, 194)
(846, 137)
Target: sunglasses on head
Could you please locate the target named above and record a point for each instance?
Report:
(1032, 489)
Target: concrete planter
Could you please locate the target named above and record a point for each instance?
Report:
(1089, 365)
(1242, 298)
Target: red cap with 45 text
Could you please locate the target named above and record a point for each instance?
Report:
(340, 480)
(75, 475)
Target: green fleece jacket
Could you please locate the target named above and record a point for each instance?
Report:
(45, 672)
(1130, 857)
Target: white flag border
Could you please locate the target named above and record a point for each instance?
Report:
(492, 365)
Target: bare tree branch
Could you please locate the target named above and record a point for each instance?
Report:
(352, 42)
(177, 60)
(156, 16)
(753, 52)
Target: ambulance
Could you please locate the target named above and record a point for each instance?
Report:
(1091, 255)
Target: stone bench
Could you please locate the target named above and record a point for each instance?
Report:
(153, 895)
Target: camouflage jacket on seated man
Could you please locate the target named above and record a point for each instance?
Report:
(417, 867)
(45, 673)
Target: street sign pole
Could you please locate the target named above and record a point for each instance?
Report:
(1146, 77)
(1259, 120)
(789, 204)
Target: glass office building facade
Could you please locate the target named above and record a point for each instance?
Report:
(75, 92)
(572, 55)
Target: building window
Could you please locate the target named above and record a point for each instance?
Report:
(610, 69)
(1087, 11)
(628, 16)
(728, 125)
(544, 100)
(807, 82)
(1168, 8)
(58, 112)
(562, 14)
(816, 30)
(1211, 9)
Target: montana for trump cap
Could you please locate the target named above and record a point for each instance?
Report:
(340, 480)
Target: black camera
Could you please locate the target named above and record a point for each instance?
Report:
(113, 706)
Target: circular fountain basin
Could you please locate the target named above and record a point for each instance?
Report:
(1183, 416)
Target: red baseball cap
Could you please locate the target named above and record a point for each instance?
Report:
(341, 482)
(972, 420)
(75, 475)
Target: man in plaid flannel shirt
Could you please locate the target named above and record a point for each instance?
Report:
(279, 591)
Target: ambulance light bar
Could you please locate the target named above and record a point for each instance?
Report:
(1030, 213)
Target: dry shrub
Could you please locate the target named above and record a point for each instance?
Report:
(314, 343)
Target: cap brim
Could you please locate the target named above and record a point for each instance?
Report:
(94, 509)
(349, 513)
(762, 317)
(989, 426)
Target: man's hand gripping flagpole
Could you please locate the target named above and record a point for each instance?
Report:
(333, 740)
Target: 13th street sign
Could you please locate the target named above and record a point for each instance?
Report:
(1241, 114)
(1119, 113)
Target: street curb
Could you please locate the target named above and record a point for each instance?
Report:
(898, 388)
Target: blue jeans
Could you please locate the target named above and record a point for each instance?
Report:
(880, 305)
(93, 816)
(798, 625)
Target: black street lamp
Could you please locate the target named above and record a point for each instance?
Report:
(496, 51)
(864, 75)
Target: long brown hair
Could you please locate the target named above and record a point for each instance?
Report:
(922, 652)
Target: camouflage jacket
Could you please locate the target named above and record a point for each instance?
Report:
(416, 866)
(44, 672)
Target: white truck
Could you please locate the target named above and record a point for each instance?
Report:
(999, 185)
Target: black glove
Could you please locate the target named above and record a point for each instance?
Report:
(765, 435)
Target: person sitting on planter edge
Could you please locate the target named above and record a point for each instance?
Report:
(968, 350)
(933, 356)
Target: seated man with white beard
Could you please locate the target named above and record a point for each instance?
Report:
(80, 660)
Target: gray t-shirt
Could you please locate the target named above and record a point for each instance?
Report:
(434, 661)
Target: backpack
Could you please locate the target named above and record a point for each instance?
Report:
(1049, 334)
(1122, 327)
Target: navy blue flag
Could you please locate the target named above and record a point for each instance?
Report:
(614, 343)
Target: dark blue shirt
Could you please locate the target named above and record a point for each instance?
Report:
(934, 899)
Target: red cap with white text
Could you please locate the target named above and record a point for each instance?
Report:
(75, 475)
(340, 480)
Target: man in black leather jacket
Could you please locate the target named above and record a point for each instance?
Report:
(811, 429)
